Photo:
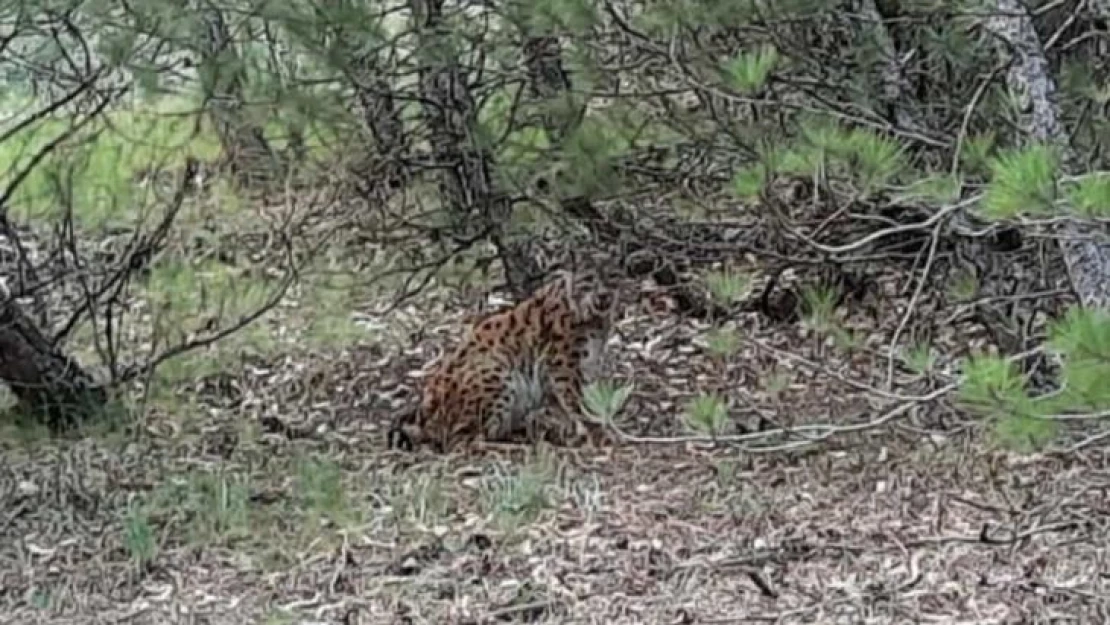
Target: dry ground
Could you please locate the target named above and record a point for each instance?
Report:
(276, 502)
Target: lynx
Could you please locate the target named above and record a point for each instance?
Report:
(518, 370)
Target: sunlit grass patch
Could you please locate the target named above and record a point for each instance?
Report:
(321, 493)
(331, 298)
(94, 172)
(208, 507)
(185, 297)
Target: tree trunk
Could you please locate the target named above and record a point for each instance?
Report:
(1085, 248)
(245, 148)
(476, 207)
(894, 90)
(549, 84)
(49, 385)
(380, 168)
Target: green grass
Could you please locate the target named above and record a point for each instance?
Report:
(95, 170)
(707, 414)
(516, 498)
(321, 492)
(210, 507)
(139, 536)
(722, 342)
(215, 508)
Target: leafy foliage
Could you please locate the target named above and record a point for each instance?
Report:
(1090, 196)
(748, 72)
(1083, 339)
(1023, 181)
(707, 414)
(993, 388)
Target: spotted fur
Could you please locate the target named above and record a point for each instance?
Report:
(519, 370)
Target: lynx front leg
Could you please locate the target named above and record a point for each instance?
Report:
(567, 388)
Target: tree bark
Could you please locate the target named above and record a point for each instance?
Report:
(1085, 247)
(50, 386)
(380, 168)
(894, 86)
(477, 208)
(245, 147)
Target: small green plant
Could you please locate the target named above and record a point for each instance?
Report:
(748, 182)
(1024, 433)
(320, 487)
(819, 305)
(845, 339)
(707, 414)
(964, 287)
(518, 498)
(827, 148)
(216, 505)
(939, 188)
(722, 342)
(775, 382)
(604, 399)
(138, 535)
(728, 286)
(874, 159)
(993, 388)
(575, 16)
(725, 470)
(1082, 339)
(748, 72)
(1090, 196)
(589, 154)
(976, 154)
(800, 160)
(41, 599)
(920, 358)
(1023, 181)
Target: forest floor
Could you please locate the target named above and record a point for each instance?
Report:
(275, 501)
